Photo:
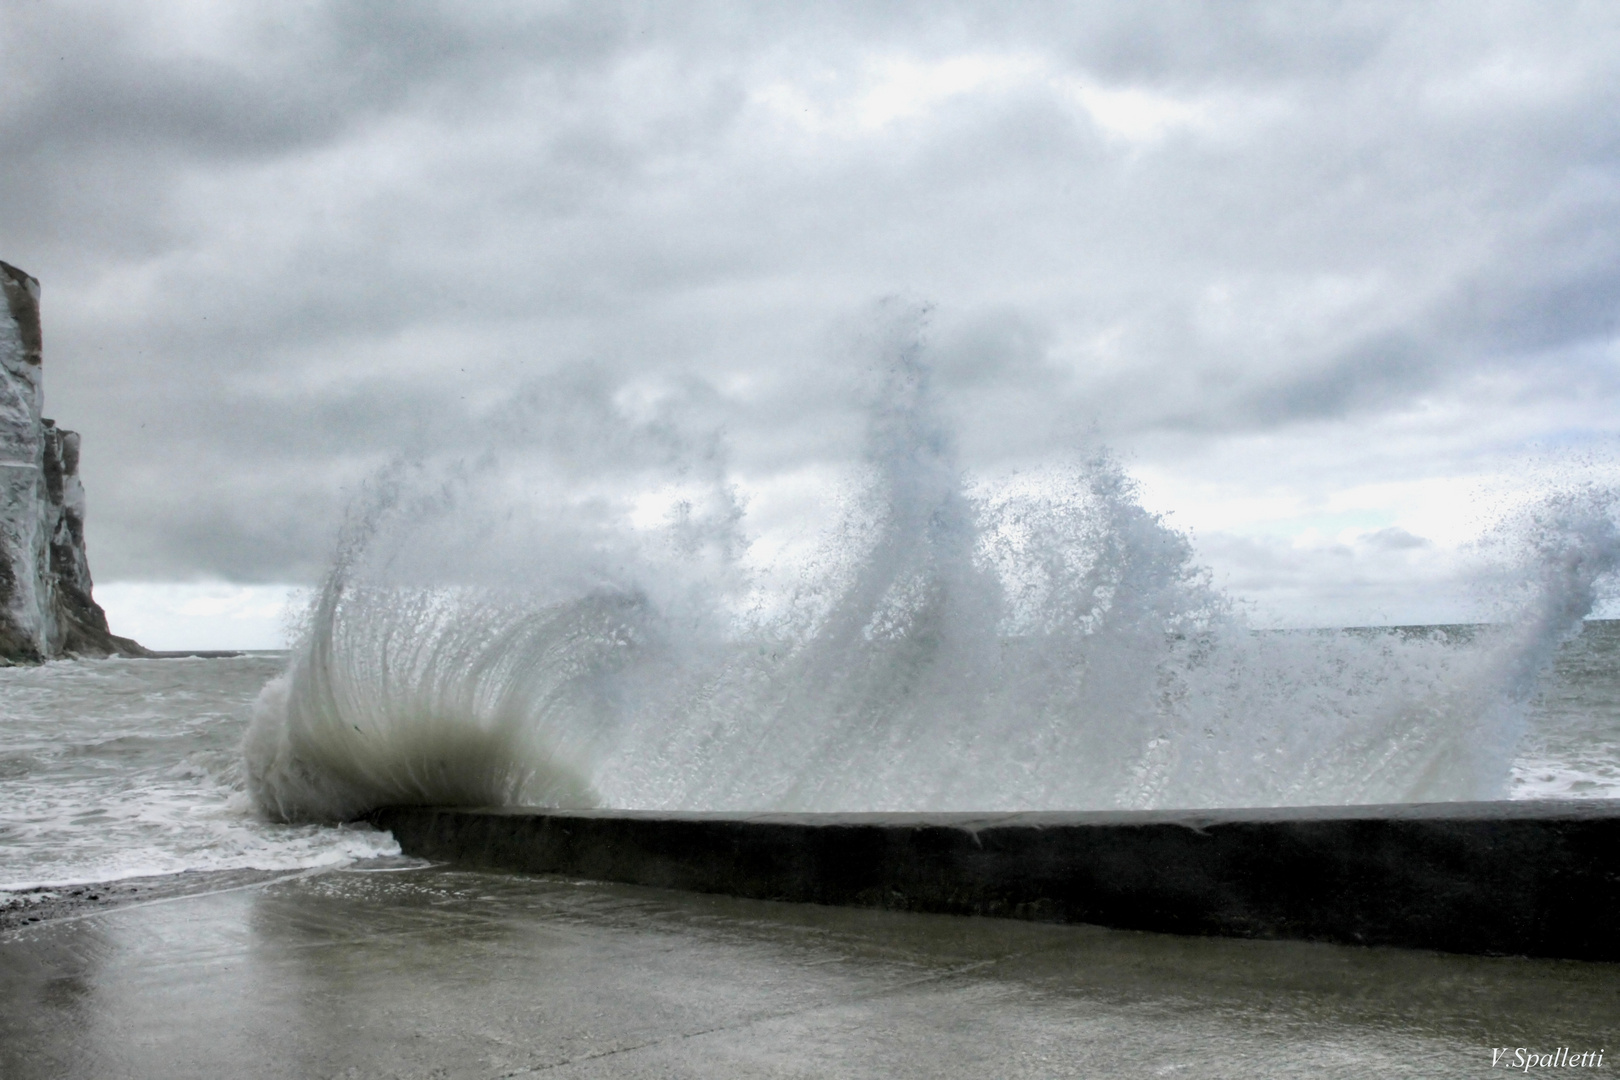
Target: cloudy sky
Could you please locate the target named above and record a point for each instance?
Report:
(1337, 282)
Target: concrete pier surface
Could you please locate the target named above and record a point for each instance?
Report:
(1495, 878)
(390, 970)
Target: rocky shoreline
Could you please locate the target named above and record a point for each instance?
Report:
(46, 606)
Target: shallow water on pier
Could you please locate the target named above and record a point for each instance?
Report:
(442, 973)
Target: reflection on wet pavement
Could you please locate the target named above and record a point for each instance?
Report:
(430, 972)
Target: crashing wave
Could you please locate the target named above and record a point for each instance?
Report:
(1045, 643)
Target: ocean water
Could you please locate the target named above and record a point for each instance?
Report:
(1571, 749)
(118, 768)
(121, 768)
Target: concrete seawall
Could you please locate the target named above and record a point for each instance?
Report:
(1514, 878)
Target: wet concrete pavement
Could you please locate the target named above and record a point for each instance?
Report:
(431, 972)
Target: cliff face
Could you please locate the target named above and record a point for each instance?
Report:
(46, 609)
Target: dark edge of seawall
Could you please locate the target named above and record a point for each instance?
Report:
(1508, 878)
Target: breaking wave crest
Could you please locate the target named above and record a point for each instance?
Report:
(1042, 643)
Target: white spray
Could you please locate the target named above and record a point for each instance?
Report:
(1046, 644)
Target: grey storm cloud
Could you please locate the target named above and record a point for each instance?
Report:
(283, 244)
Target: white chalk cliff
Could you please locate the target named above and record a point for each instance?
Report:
(46, 609)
